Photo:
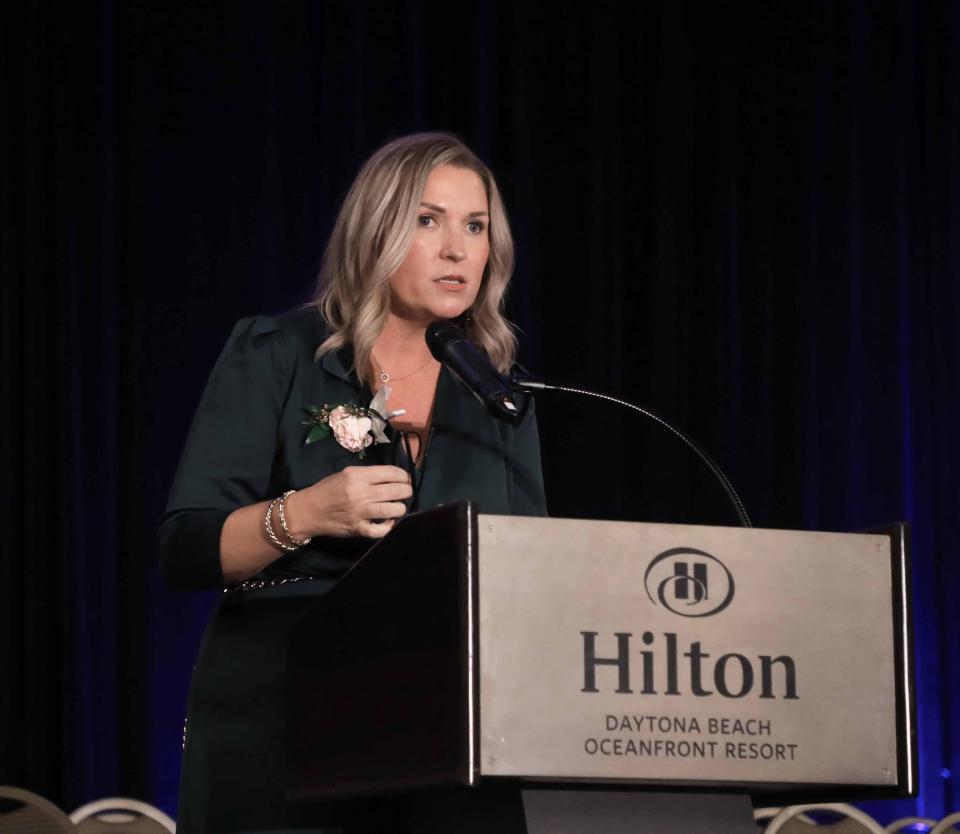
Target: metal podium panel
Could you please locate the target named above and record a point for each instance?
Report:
(614, 650)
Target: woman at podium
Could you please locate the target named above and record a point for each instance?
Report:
(317, 431)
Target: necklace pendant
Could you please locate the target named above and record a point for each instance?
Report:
(384, 377)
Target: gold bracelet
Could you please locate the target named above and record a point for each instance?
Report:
(268, 526)
(283, 521)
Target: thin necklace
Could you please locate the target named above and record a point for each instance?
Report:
(385, 377)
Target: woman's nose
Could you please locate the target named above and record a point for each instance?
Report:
(453, 248)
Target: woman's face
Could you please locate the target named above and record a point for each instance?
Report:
(441, 274)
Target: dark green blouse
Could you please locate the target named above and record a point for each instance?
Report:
(247, 444)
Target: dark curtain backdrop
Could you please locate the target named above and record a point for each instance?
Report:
(745, 216)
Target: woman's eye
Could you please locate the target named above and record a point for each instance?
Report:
(476, 226)
(426, 220)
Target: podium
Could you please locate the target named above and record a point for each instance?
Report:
(609, 670)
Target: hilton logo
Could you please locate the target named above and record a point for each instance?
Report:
(689, 582)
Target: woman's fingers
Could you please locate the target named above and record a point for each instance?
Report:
(392, 492)
(375, 529)
(382, 486)
(378, 474)
(391, 509)
(351, 501)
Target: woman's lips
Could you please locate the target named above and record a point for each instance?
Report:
(452, 283)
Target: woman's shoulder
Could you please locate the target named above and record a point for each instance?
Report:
(299, 331)
(278, 347)
(303, 327)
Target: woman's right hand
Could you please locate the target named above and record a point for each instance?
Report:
(357, 501)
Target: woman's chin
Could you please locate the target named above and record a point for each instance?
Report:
(441, 311)
(455, 306)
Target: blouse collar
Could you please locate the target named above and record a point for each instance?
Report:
(338, 362)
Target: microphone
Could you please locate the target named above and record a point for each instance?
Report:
(449, 344)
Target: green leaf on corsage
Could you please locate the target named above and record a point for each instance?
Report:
(317, 432)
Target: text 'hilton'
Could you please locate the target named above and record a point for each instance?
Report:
(731, 675)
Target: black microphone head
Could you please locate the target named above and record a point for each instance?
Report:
(441, 333)
(449, 345)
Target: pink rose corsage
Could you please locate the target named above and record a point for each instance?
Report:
(352, 426)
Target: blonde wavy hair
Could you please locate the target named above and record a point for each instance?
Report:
(373, 233)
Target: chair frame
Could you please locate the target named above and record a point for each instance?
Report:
(120, 803)
(30, 798)
(841, 808)
(898, 825)
(948, 822)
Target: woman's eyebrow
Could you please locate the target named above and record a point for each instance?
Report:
(442, 210)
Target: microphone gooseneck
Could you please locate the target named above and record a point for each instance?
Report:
(449, 344)
(531, 385)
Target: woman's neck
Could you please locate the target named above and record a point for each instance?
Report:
(401, 344)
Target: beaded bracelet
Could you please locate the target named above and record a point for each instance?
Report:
(268, 526)
(283, 521)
